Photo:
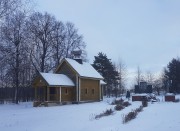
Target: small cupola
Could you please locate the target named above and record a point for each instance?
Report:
(77, 55)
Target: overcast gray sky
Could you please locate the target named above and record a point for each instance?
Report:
(143, 33)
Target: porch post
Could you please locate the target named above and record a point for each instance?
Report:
(60, 94)
(35, 93)
(47, 93)
(44, 93)
(79, 89)
(100, 90)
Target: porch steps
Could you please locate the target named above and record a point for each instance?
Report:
(53, 104)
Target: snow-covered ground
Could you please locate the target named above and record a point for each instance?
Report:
(160, 116)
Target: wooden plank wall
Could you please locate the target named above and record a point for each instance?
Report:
(87, 87)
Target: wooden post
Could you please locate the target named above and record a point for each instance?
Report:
(48, 93)
(35, 93)
(99, 90)
(44, 93)
(102, 92)
(79, 89)
(60, 94)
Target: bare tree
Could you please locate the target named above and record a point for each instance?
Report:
(8, 7)
(59, 42)
(139, 76)
(65, 40)
(157, 84)
(13, 45)
(149, 77)
(165, 80)
(73, 40)
(122, 71)
(3, 71)
(41, 28)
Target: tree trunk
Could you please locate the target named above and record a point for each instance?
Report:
(17, 76)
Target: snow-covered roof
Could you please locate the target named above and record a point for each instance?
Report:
(84, 69)
(102, 82)
(57, 79)
(169, 94)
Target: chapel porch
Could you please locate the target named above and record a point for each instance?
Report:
(45, 96)
(53, 88)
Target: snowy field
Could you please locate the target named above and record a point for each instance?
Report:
(160, 116)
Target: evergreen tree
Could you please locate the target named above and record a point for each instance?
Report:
(173, 73)
(105, 67)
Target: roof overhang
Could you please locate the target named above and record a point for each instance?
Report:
(102, 82)
(85, 77)
(57, 80)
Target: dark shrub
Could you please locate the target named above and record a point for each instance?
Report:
(177, 100)
(139, 109)
(126, 104)
(144, 103)
(98, 116)
(118, 107)
(108, 112)
(117, 102)
(131, 115)
(105, 113)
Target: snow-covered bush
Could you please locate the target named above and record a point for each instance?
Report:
(105, 113)
(126, 104)
(120, 104)
(132, 115)
(108, 112)
(117, 102)
(144, 103)
(118, 107)
(139, 109)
